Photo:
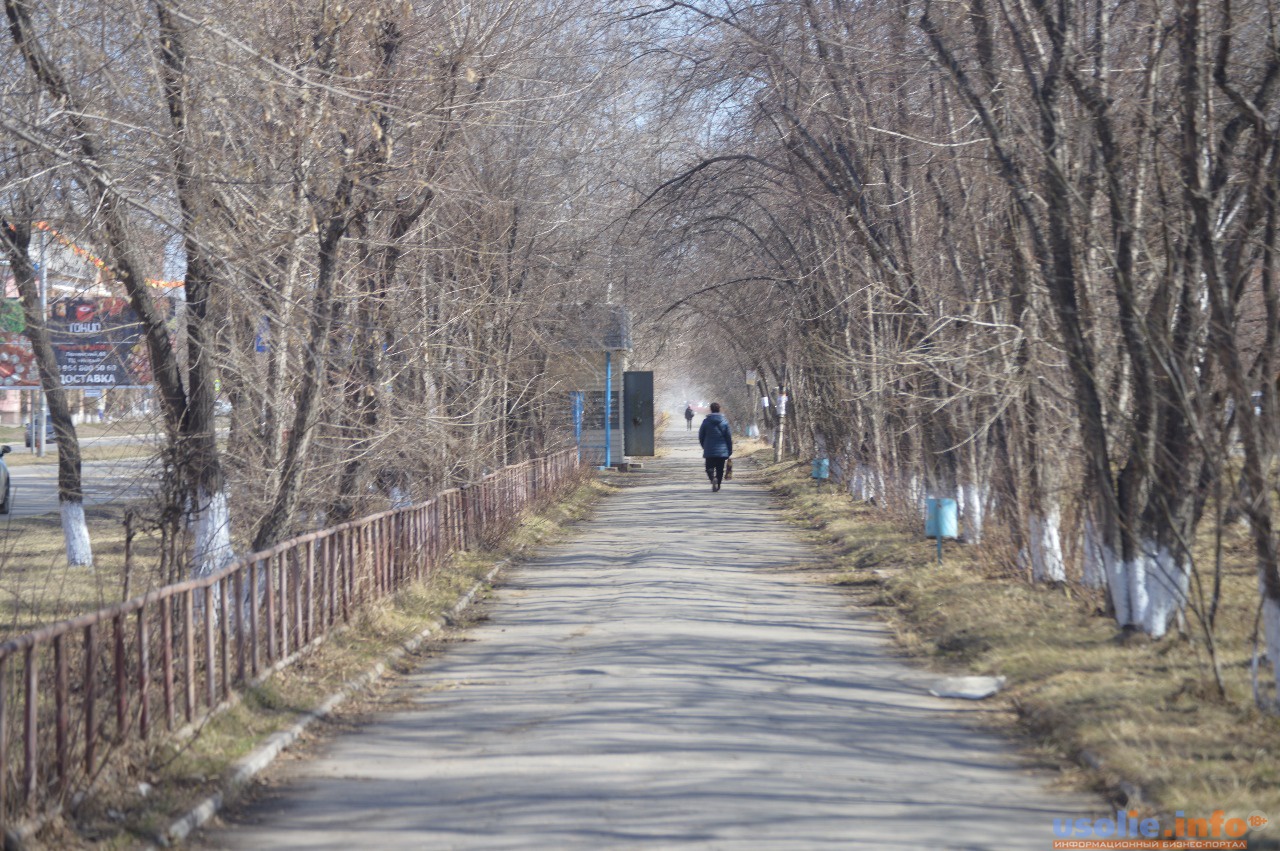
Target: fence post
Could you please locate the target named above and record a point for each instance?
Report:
(269, 580)
(60, 709)
(166, 658)
(122, 725)
(255, 568)
(189, 655)
(210, 662)
(284, 613)
(309, 624)
(90, 698)
(144, 675)
(30, 775)
(4, 737)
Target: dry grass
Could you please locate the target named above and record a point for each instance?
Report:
(1146, 710)
(36, 585)
(183, 772)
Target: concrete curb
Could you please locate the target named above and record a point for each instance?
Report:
(248, 767)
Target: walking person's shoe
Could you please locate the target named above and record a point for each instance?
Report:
(716, 485)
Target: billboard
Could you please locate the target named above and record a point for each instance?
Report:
(17, 363)
(98, 341)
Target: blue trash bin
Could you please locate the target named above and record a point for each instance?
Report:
(941, 519)
(821, 468)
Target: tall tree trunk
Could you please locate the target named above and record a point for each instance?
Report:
(16, 235)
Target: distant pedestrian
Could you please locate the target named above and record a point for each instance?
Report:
(717, 444)
(688, 417)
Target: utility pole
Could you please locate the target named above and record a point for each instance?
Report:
(608, 406)
(782, 424)
(38, 421)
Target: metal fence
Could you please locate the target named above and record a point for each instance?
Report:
(74, 692)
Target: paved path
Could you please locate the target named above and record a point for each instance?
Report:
(666, 680)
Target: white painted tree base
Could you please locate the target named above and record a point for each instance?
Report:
(973, 511)
(75, 531)
(212, 550)
(1044, 548)
(1271, 632)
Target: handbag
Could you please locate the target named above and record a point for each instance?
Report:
(728, 468)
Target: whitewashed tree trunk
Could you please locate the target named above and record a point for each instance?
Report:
(212, 547)
(75, 532)
(915, 492)
(1271, 634)
(972, 505)
(1045, 545)
(1157, 589)
(1097, 564)
(863, 485)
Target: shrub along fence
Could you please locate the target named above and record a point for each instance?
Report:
(74, 692)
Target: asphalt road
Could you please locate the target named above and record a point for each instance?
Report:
(672, 678)
(35, 488)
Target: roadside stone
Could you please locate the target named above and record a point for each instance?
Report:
(968, 688)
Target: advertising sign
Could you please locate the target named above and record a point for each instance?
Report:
(99, 342)
(17, 363)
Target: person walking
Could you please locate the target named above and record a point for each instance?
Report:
(688, 417)
(717, 444)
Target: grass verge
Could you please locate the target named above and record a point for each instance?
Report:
(1142, 712)
(37, 586)
(153, 787)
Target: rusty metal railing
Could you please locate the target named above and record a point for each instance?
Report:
(73, 692)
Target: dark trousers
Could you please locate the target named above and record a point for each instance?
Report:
(715, 469)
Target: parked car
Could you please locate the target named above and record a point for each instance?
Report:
(6, 487)
(49, 435)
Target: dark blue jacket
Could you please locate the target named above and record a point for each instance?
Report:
(716, 437)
